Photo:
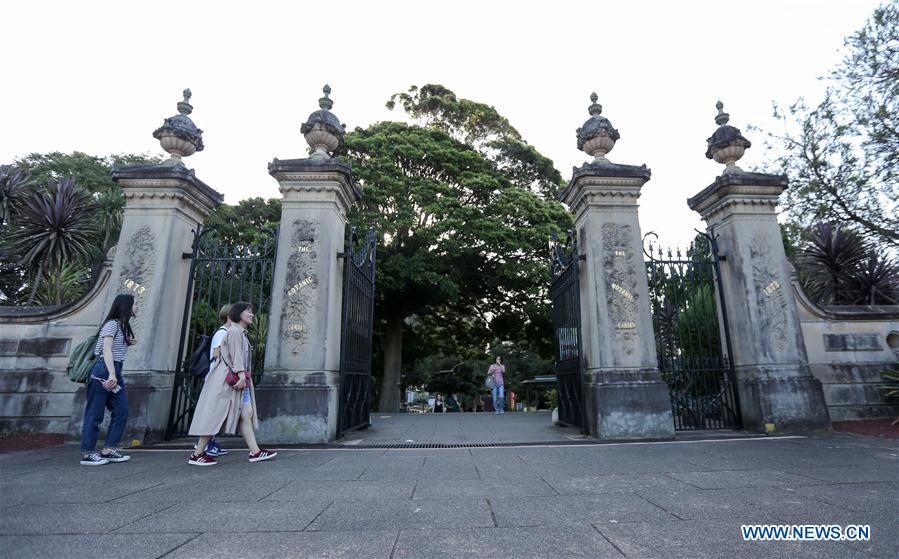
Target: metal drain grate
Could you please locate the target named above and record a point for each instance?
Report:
(465, 445)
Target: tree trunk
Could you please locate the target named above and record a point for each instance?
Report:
(393, 363)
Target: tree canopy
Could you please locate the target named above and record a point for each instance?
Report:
(463, 240)
(842, 155)
(481, 127)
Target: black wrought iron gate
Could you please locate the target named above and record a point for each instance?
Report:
(689, 317)
(566, 312)
(220, 273)
(356, 333)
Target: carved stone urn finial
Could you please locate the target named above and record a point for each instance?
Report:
(178, 135)
(597, 136)
(727, 145)
(323, 131)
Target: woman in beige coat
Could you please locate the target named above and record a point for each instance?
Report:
(225, 406)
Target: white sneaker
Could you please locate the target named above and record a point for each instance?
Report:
(93, 459)
(115, 456)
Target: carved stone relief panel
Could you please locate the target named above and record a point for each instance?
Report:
(136, 276)
(301, 279)
(769, 297)
(621, 284)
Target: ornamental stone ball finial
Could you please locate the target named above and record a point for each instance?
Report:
(727, 145)
(595, 108)
(323, 130)
(178, 135)
(722, 117)
(325, 102)
(184, 107)
(597, 136)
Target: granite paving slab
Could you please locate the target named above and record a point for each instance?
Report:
(859, 497)
(68, 518)
(450, 489)
(742, 478)
(852, 474)
(709, 539)
(289, 545)
(385, 514)
(767, 504)
(132, 546)
(614, 483)
(242, 517)
(216, 488)
(573, 541)
(565, 510)
(358, 489)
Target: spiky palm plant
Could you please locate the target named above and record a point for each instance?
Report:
(875, 281)
(257, 333)
(110, 209)
(828, 262)
(13, 191)
(65, 284)
(53, 227)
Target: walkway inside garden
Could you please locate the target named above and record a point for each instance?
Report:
(462, 428)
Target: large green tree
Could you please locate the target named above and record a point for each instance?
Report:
(482, 127)
(462, 239)
(245, 222)
(842, 155)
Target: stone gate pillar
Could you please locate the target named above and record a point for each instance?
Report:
(164, 205)
(298, 398)
(625, 395)
(776, 389)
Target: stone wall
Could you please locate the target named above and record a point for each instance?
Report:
(36, 395)
(847, 348)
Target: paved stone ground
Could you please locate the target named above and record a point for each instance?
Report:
(675, 499)
(458, 428)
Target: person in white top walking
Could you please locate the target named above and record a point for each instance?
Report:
(228, 398)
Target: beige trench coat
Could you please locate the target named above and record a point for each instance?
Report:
(218, 408)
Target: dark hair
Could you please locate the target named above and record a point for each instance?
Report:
(500, 357)
(237, 309)
(121, 309)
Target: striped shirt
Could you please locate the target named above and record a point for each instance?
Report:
(112, 329)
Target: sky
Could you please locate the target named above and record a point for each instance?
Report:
(99, 77)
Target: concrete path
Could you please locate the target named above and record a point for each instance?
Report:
(675, 499)
(462, 428)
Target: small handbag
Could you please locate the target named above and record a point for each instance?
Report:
(490, 382)
(232, 378)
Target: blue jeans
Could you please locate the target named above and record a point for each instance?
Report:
(499, 397)
(98, 401)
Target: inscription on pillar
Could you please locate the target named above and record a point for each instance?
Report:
(136, 275)
(769, 297)
(301, 280)
(621, 279)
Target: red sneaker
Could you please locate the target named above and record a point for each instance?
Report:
(201, 459)
(262, 455)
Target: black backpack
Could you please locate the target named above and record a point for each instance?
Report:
(199, 359)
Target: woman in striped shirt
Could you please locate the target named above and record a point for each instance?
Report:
(105, 386)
